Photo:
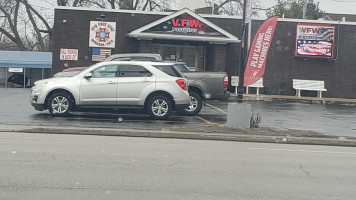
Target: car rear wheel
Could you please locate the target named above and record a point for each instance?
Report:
(60, 104)
(159, 107)
(195, 105)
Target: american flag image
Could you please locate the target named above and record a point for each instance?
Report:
(99, 54)
(327, 32)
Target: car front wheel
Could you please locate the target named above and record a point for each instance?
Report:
(60, 104)
(159, 107)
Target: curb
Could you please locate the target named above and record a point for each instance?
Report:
(238, 137)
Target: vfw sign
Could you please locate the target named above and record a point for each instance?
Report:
(102, 34)
(184, 24)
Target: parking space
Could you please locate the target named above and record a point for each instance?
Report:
(325, 119)
(16, 109)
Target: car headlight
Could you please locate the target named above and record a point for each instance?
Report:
(38, 86)
(41, 84)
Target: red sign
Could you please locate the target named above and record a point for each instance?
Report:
(256, 63)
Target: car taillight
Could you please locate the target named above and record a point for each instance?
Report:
(226, 81)
(182, 83)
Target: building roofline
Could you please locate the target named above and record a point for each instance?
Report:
(316, 21)
(139, 33)
(26, 59)
(212, 40)
(112, 10)
(202, 15)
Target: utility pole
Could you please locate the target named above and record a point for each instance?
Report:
(242, 56)
(212, 7)
(305, 7)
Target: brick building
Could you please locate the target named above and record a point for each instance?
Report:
(209, 42)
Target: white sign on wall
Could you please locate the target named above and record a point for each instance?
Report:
(68, 54)
(235, 81)
(102, 34)
(15, 69)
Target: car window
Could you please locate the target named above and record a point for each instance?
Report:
(133, 71)
(105, 71)
(182, 67)
(168, 69)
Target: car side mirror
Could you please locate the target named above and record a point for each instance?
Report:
(88, 75)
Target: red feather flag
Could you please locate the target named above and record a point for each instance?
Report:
(256, 63)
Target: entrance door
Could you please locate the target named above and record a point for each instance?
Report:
(193, 56)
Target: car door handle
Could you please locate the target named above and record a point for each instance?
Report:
(111, 82)
(146, 80)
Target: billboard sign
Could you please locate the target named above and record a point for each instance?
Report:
(315, 41)
(102, 34)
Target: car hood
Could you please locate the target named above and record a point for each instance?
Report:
(54, 79)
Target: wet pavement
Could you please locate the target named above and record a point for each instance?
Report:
(333, 120)
(326, 119)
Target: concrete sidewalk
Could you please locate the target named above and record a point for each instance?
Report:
(265, 135)
(284, 98)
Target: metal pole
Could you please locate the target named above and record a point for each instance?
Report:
(212, 7)
(305, 8)
(249, 25)
(242, 56)
(24, 77)
(6, 69)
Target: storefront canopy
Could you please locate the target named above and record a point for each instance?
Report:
(184, 25)
(26, 59)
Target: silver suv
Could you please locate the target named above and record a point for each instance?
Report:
(114, 84)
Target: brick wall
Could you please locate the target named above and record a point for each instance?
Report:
(74, 34)
(219, 62)
(146, 46)
(339, 74)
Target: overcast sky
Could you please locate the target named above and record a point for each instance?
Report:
(329, 6)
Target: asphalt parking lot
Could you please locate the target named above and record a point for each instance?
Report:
(16, 109)
(328, 120)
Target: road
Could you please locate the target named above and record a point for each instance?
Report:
(47, 166)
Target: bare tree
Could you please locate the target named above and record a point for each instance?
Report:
(10, 15)
(233, 7)
(148, 5)
(28, 28)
